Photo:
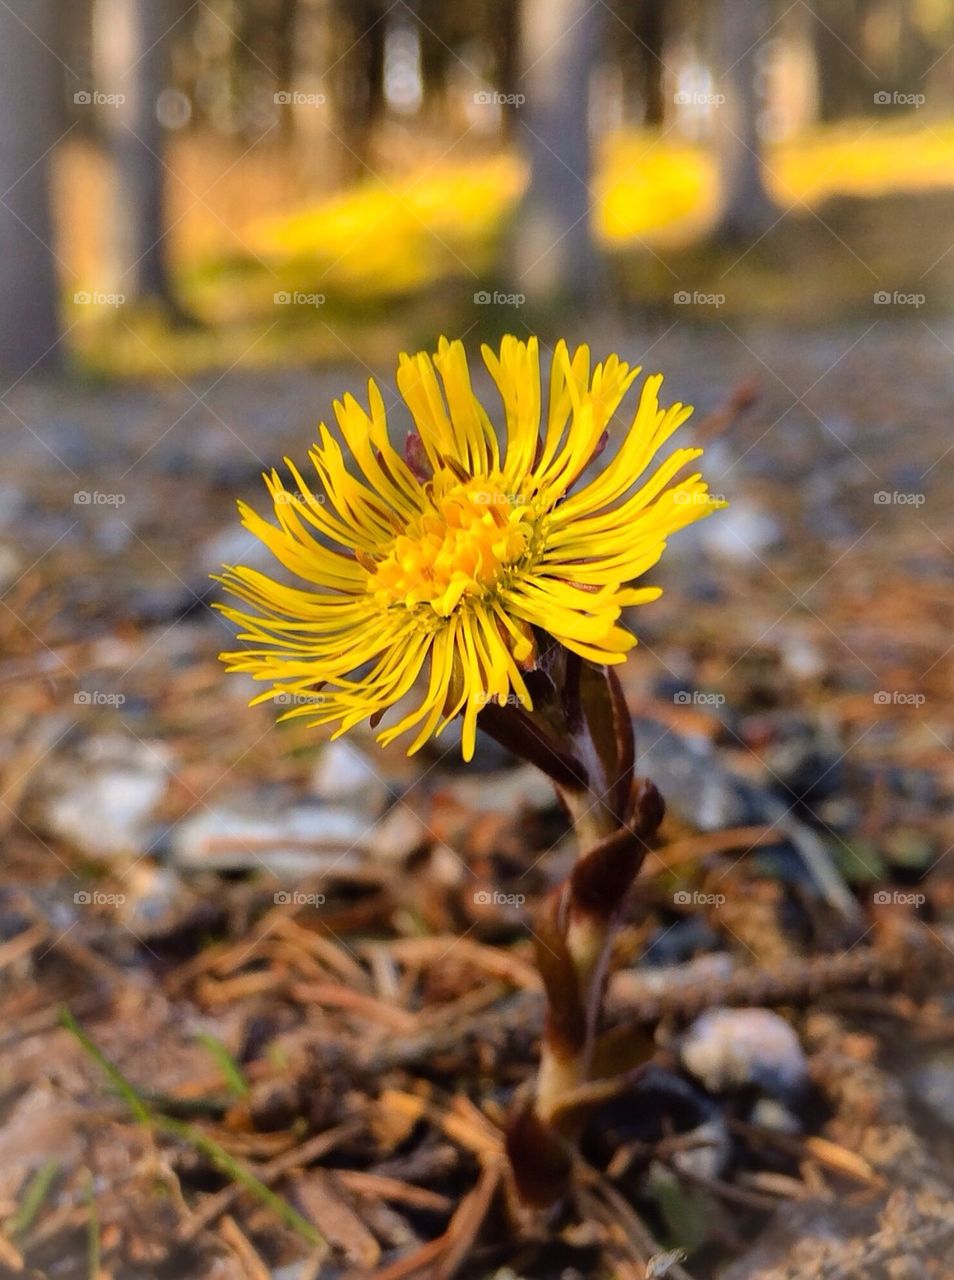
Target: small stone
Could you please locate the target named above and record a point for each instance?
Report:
(154, 898)
(102, 800)
(933, 1086)
(710, 1157)
(398, 833)
(743, 532)
(727, 1049)
(802, 658)
(290, 843)
(769, 1113)
(522, 789)
(344, 774)
(9, 566)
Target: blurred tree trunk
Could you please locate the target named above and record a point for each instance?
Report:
(359, 32)
(914, 49)
(313, 46)
(554, 254)
(436, 56)
(339, 48)
(30, 89)
(836, 31)
(747, 210)
(505, 39)
(130, 48)
(284, 39)
(650, 31)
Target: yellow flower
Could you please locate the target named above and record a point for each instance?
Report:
(437, 571)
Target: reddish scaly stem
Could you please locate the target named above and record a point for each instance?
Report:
(580, 734)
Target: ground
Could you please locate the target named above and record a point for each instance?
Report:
(313, 967)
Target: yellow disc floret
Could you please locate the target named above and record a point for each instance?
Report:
(460, 546)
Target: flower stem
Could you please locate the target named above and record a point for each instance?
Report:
(574, 940)
(580, 734)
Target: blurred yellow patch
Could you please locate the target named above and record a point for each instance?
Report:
(423, 228)
(400, 235)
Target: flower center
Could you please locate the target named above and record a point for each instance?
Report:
(459, 546)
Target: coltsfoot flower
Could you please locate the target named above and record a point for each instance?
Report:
(431, 578)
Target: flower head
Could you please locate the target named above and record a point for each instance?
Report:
(431, 578)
